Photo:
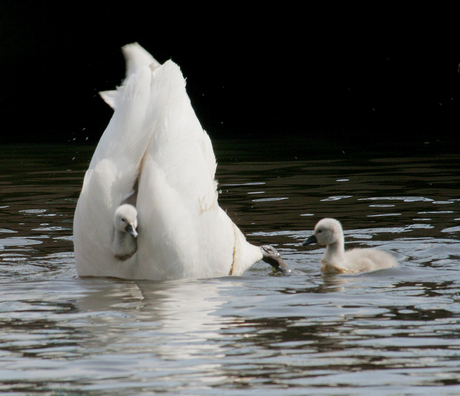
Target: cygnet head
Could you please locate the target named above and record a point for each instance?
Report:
(125, 219)
(327, 231)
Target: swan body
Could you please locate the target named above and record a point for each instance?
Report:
(336, 260)
(155, 163)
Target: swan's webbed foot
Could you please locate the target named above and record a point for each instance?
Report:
(272, 257)
(124, 257)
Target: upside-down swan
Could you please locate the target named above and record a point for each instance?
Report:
(148, 206)
(336, 260)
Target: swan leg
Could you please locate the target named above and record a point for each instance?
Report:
(271, 256)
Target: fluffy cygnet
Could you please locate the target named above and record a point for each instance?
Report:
(336, 260)
(124, 241)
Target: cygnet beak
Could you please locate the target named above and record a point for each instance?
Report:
(131, 231)
(311, 239)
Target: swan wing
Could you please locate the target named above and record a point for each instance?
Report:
(110, 178)
(179, 216)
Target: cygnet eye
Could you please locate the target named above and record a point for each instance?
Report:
(123, 219)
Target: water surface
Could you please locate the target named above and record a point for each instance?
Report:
(382, 333)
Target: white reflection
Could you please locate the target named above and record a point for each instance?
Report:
(174, 320)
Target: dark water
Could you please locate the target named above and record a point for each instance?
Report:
(389, 332)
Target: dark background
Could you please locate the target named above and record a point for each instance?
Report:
(358, 76)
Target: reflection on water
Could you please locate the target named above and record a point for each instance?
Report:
(387, 332)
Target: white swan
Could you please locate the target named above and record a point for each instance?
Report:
(148, 206)
(336, 260)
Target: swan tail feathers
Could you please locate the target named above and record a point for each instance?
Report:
(136, 57)
(109, 97)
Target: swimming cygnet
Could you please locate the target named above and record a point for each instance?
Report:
(125, 239)
(336, 260)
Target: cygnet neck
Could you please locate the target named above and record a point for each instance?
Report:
(124, 245)
(125, 235)
(335, 252)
